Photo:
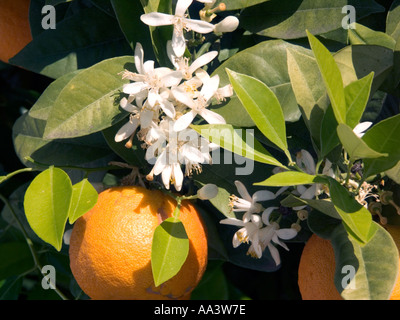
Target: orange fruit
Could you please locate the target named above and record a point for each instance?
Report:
(15, 32)
(317, 269)
(110, 246)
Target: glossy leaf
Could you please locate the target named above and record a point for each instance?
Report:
(267, 62)
(308, 88)
(356, 62)
(84, 197)
(363, 35)
(239, 141)
(290, 178)
(170, 247)
(393, 20)
(357, 95)
(375, 263)
(262, 106)
(383, 137)
(78, 41)
(356, 218)
(29, 142)
(90, 101)
(329, 138)
(128, 15)
(331, 76)
(355, 146)
(46, 203)
(289, 19)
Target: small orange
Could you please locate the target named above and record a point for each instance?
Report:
(15, 32)
(317, 269)
(110, 246)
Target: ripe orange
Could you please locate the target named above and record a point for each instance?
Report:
(110, 246)
(15, 32)
(317, 269)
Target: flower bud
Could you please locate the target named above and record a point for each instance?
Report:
(228, 24)
(207, 192)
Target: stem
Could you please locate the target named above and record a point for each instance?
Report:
(29, 242)
(4, 178)
(87, 170)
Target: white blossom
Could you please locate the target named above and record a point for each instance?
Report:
(360, 129)
(180, 22)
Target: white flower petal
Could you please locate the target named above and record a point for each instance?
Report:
(157, 19)
(361, 127)
(199, 26)
(266, 214)
(124, 104)
(210, 87)
(178, 43)
(286, 233)
(126, 130)
(139, 56)
(243, 191)
(192, 154)
(152, 98)
(172, 79)
(212, 117)
(168, 108)
(182, 6)
(146, 118)
(161, 163)
(305, 159)
(166, 176)
(228, 24)
(276, 240)
(275, 254)
(178, 176)
(184, 121)
(263, 195)
(148, 67)
(202, 61)
(134, 87)
(232, 222)
(183, 97)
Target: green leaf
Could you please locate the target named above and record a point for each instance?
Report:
(356, 62)
(376, 264)
(237, 140)
(84, 198)
(364, 35)
(41, 109)
(383, 137)
(290, 178)
(16, 259)
(267, 62)
(78, 41)
(159, 35)
(356, 218)
(355, 146)
(309, 89)
(394, 173)
(357, 95)
(29, 142)
(263, 107)
(288, 19)
(329, 138)
(46, 203)
(238, 4)
(393, 20)
(89, 102)
(324, 206)
(169, 250)
(128, 15)
(331, 76)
